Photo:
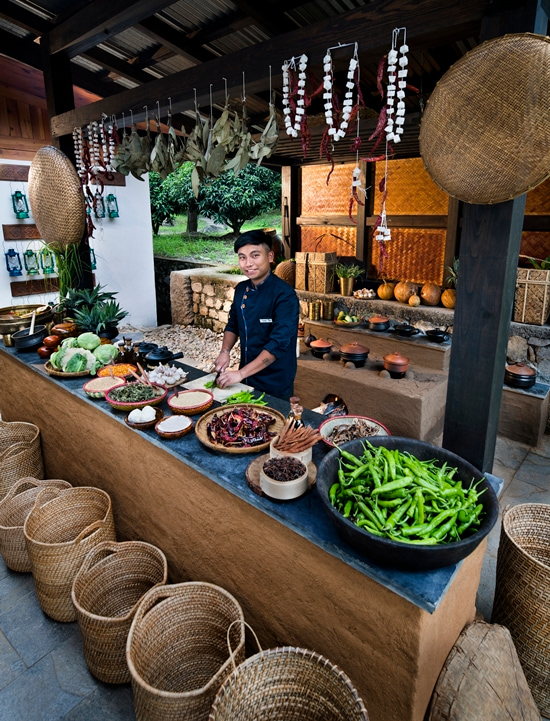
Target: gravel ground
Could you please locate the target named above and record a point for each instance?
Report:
(200, 346)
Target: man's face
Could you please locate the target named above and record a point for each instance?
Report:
(254, 262)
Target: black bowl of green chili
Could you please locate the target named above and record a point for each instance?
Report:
(406, 503)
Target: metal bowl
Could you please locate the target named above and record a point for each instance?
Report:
(17, 317)
(386, 552)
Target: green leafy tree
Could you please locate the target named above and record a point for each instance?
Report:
(163, 208)
(178, 188)
(232, 200)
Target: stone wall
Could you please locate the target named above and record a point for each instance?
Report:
(163, 268)
(203, 296)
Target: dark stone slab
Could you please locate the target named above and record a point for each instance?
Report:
(106, 703)
(11, 664)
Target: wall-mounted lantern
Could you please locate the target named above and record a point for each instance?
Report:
(93, 263)
(20, 205)
(112, 206)
(32, 265)
(47, 261)
(13, 262)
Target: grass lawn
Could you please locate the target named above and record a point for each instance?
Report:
(210, 244)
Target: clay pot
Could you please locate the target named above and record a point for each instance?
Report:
(519, 375)
(378, 322)
(65, 330)
(405, 329)
(320, 347)
(396, 364)
(355, 353)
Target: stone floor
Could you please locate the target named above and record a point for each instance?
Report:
(43, 676)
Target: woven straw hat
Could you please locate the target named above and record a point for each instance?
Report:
(485, 134)
(56, 199)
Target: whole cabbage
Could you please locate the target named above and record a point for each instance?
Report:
(89, 341)
(70, 342)
(62, 359)
(106, 353)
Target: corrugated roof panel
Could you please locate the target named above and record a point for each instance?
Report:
(191, 15)
(14, 29)
(174, 64)
(238, 40)
(131, 42)
(88, 64)
(41, 11)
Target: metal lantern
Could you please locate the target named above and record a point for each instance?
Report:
(20, 205)
(13, 262)
(32, 265)
(93, 263)
(47, 261)
(112, 206)
(99, 205)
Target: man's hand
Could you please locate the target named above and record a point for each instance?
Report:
(229, 378)
(222, 361)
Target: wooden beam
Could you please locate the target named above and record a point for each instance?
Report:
(30, 22)
(373, 23)
(117, 66)
(98, 21)
(175, 41)
(290, 196)
(269, 17)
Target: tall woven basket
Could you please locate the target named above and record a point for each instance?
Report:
(14, 509)
(106, 591)
(59, 534)
(20, 453)
(177, 650)
(288, 684)
(522, 592)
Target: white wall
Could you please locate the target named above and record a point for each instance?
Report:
(123, 248)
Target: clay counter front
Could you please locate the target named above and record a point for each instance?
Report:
(298, 583)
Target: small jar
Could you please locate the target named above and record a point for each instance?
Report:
(328, 310)
(314, 310)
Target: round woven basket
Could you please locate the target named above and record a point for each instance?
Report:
(20, 454)
(14, 509)
(177, 650)
(288, 684)
(56, 198)
(522, 592)
(485, 133)
(286, 270)
(482, 679)
(59, 534)
(106, 591)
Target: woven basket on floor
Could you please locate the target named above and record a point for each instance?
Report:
(482, 679)
(288, 684)
(14, 509)
(106, 591)
(59, 534)
(20, 454)
(522, 592)
(177, 650)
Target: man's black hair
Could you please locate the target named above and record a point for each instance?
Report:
(252, 237)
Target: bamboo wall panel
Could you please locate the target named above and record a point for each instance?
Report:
(318, 198)
(535, 244)
(538, 200)
(411, 191)
(320, 239)
(417, 255)
(24, 126)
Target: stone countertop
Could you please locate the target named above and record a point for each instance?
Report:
(305, 516)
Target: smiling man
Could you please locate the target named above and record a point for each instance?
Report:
(264, 316)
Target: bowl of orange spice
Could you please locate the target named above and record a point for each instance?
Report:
(117, 370)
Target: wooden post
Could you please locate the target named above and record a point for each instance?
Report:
(489, 250)
(290, 197)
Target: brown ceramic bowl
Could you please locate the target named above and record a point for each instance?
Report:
(378, 322)
(396, 364)
(518, 375)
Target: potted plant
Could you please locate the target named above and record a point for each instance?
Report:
(346, 275)
(101, 318)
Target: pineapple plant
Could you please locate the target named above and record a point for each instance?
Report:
(448, 297)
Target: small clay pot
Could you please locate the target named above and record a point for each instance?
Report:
(519, 375)
(320, 347)
(405, 329)
(65, 330)
(354, 353)
(396, 364)
(378, 322)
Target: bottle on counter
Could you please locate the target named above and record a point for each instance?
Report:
(295, 412)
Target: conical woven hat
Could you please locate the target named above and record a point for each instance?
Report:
(56, 198)
(485, 134)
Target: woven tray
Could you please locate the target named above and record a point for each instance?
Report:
(51, 371)
(200, 428)
(485, 133)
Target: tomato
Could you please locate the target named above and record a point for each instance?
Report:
(44, 352)
(52, 341)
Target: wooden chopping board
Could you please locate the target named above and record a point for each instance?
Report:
(220, 394)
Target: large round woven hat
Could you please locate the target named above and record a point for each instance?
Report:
(485, 133)
(56, 198)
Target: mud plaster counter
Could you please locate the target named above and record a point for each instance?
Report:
(298, 583)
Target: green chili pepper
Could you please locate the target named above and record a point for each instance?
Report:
(442, 531)
(392, 485)
(369, 514)
(398, 514)
(350, 457)
(370, 527)
(420, 505)
(347, 508)
(332, 492)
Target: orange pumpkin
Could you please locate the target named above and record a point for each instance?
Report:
(430, 293)
(385, 290)
(448, 298)
(403, 291)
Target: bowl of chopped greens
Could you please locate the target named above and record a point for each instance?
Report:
(135, 395)
(406, 503)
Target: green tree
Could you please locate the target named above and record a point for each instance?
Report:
(232, 200)
(178, 187)
(163, 208)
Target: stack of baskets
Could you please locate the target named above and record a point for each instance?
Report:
(522, 592)
(20, 454)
